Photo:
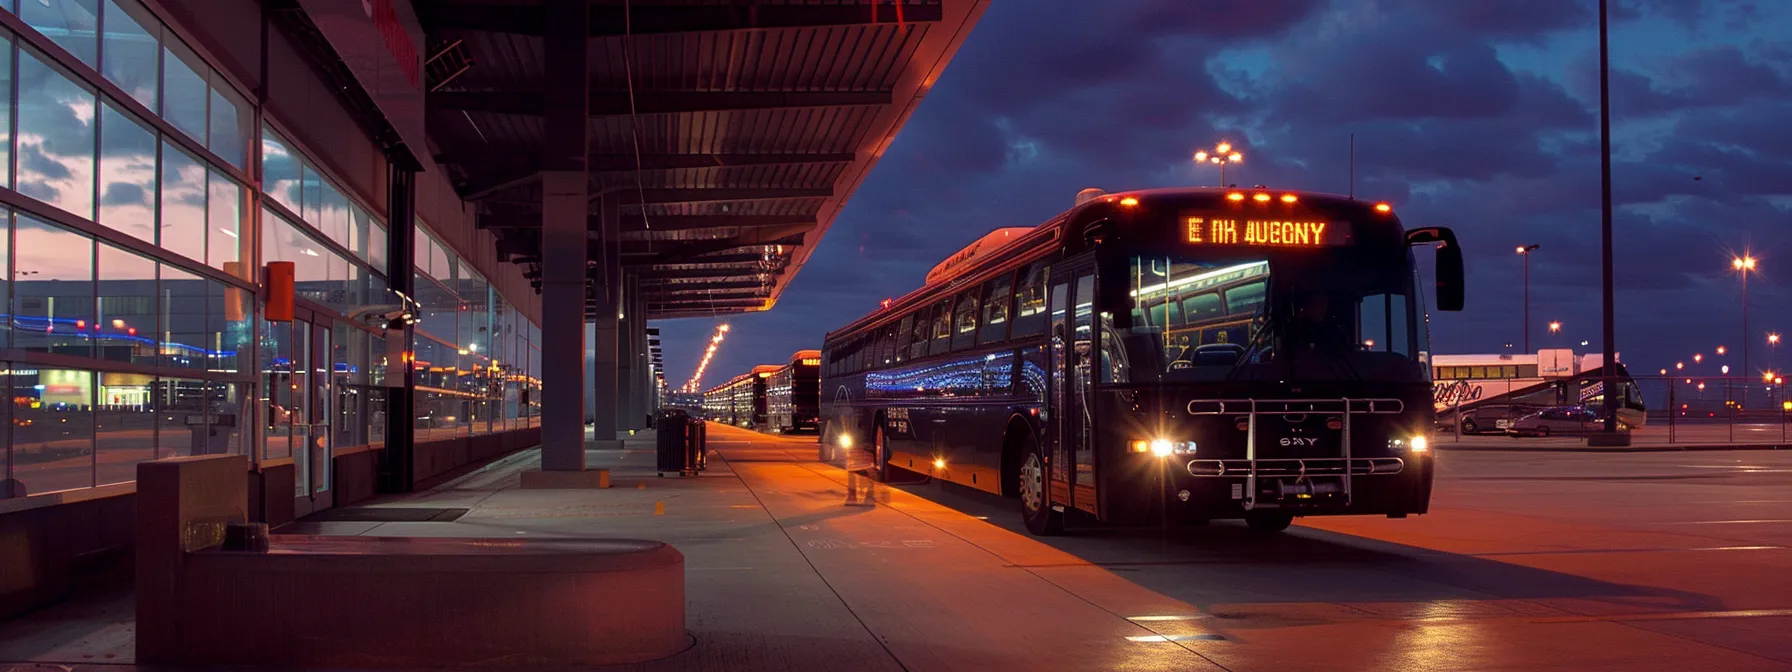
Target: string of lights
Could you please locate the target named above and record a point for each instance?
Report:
(708, 354)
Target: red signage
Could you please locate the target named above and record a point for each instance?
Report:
(398, 42)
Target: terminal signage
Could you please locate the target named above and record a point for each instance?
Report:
(1231, 231)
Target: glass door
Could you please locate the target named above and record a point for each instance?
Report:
(322, 383)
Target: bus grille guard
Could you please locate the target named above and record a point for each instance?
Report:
(1343, 466)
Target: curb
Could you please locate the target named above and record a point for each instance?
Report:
(1715, 447)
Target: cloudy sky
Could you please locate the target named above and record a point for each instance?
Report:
(1481, 115)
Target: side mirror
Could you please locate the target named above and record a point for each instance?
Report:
(1450, 289)
(1114, 290)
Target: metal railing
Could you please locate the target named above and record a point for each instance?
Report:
(1678, 410)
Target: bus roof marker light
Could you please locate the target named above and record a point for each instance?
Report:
(1383, 208)
(1235, 196)
(1261, 198)
(1289, 198)
(1129, 201)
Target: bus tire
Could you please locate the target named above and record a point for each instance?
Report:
(1268, 521)
(1469, 426)
(1035, 505)
(880, 452)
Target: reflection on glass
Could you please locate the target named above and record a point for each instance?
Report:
(130, 50)
(376, 247)
(228, 314)
(227, 128)
(184, 333)
(52, 430)
(228, 413)
(332, 215)
(224, 227)
(71, 24)
(6, 277)
(56, 133)
(277, 369)
(125, 328)
(279, 170)
(183, 203)
(180, 402)
(124, 423)
(183, 89)
(6, 112)
(53, 288)
(127, 175)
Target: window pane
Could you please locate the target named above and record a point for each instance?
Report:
(52, 434)
(312, 195)
(71, 24)
(124, 426)
(6, 113)
(183, 319)
(178, 400)
(282, 241)
(53, 296)
(376, 246)
(224, 226)
(279, 170)
(127, 175)
(126, 325)
(131, 42)
(184, 90)
(228, 320)
(56, 137)
(183, 203)
(228, 126)
(5, 282)
(995, 310)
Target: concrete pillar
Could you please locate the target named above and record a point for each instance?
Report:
(565, 205)
(606, 332)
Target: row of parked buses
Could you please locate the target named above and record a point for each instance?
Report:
(776, 398)
(1189, 354)
(1550, 392)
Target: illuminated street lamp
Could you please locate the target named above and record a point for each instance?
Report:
(1525, 251)
(1222, 155)
(1773, 348)
(1743, 265)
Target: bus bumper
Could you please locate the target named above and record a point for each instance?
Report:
(1208, 489)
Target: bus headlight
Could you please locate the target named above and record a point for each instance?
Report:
(1162, 447)
(1417, 444)
(1420, 444)
(845, 440)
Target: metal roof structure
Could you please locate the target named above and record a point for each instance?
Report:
(732, 131)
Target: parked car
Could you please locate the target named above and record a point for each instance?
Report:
(1558, 420)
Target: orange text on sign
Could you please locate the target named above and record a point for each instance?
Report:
(1255, 232)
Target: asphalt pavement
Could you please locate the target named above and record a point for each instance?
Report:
(1527, 561)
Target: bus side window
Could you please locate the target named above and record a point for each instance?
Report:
(886, 351)
(996, 298)
(901, 342)
(964, 321)
(942, 328)
(917, 345)
(1029, 302)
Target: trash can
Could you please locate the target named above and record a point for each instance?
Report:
(697, 433)
(671, 444)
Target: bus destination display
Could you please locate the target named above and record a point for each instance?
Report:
(1204, 230)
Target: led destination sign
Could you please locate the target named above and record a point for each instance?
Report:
(1203, 230)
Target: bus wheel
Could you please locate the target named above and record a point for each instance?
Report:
(1268, 521)
(1469, 426)
(882, 453)
(1034, 508)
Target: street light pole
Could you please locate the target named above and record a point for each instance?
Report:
(1609, 369)
(1744, 264)
(1221, 155)
(1525, 251)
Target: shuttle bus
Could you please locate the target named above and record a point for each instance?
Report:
(1189, 354)
(793, 394)
(1492, 392)
(741, 400)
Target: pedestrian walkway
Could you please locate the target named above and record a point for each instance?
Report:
(781, 572)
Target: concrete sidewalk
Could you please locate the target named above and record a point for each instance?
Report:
(780, 573)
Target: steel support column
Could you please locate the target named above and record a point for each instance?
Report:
(564, 200)
(397, 470)
(605, 334)
(625, 357)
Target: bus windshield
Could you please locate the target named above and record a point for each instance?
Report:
(1275, 317)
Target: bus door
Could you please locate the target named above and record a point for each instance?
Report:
(1073, 361)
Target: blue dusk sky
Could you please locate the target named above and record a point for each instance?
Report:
(1480, 115)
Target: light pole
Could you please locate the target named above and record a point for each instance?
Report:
(1773, 348)
(1525, 251)
(1221, 156)
(1608, 370)
(1744, 265)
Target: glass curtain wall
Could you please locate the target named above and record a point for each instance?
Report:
(475, 354)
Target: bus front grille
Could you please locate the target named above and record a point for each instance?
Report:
(1296, 468)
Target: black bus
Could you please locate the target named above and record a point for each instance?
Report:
(741, 400)
(1193, 354)
(793, 394)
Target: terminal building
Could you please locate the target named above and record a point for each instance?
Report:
(410, 161)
